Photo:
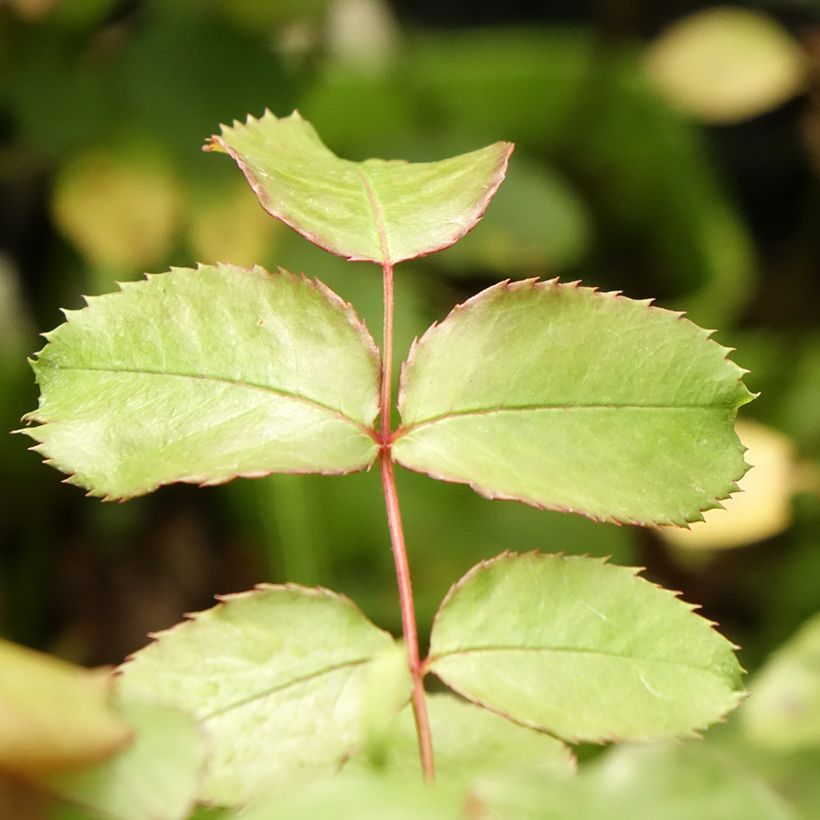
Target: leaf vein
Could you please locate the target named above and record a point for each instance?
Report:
(328, 670)
(368, 431)
(569, 650)
(530, 408)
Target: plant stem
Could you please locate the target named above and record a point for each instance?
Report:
(394, 523)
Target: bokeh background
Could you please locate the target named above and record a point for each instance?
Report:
(665, 149)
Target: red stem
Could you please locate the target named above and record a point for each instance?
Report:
(391, 499)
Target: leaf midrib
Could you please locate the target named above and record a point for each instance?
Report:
(327, 670)
(566, 407)
(378, 214)
(368, 431)
(568, 650)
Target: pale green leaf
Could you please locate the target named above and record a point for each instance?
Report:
(275, 677)
(672, 782)
(54, 716)
(361, 797)
(567, 398)
(205, 375)
(469, 742)
(157, 777)
(783, 712)
(376, 210)
(582, 649)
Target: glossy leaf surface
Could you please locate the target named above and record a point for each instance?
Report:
(205, 375)
(54, 716)
(275, 677)
(156, 777)
(376, 210)
(567, 398)
(582, 649)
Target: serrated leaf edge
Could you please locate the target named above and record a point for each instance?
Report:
(259, 590)
(536, 283)
(217, 143)
(355, 321)
(694, 733)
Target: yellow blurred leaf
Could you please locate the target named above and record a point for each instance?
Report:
(727, 64)
(762, 510)
(231, 227)
(54, 716)
(120, 211)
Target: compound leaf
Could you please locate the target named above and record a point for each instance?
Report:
(275, 677)
(567, 398)
(582, 649)
(376, 210)
(205, 375)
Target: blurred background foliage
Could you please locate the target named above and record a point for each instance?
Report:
(669, 150)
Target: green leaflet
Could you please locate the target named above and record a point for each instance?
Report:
(567, 398)
(582, 649)
(157, 776)
(205, 375)
(276, 678)
(783, 712)
(382, 211)
(471, 742)
(54, 716)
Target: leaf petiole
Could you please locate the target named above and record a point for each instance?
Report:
(394, 523)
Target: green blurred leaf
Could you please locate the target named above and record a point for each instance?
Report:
(377, 210)
(582, 649)
(470, 742)
(54, 716)
(60, 102)
(700, 252)
(500, 83)
(361, 797)
(157, 777)
(226, 224)
(537, 223)
(727, 64)
(792, 775)
(641, 783)
(276, 678)
(262, 15)
(783, 712)
(364, 113)
(563, 397)
(183, 69)
(204, 375)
